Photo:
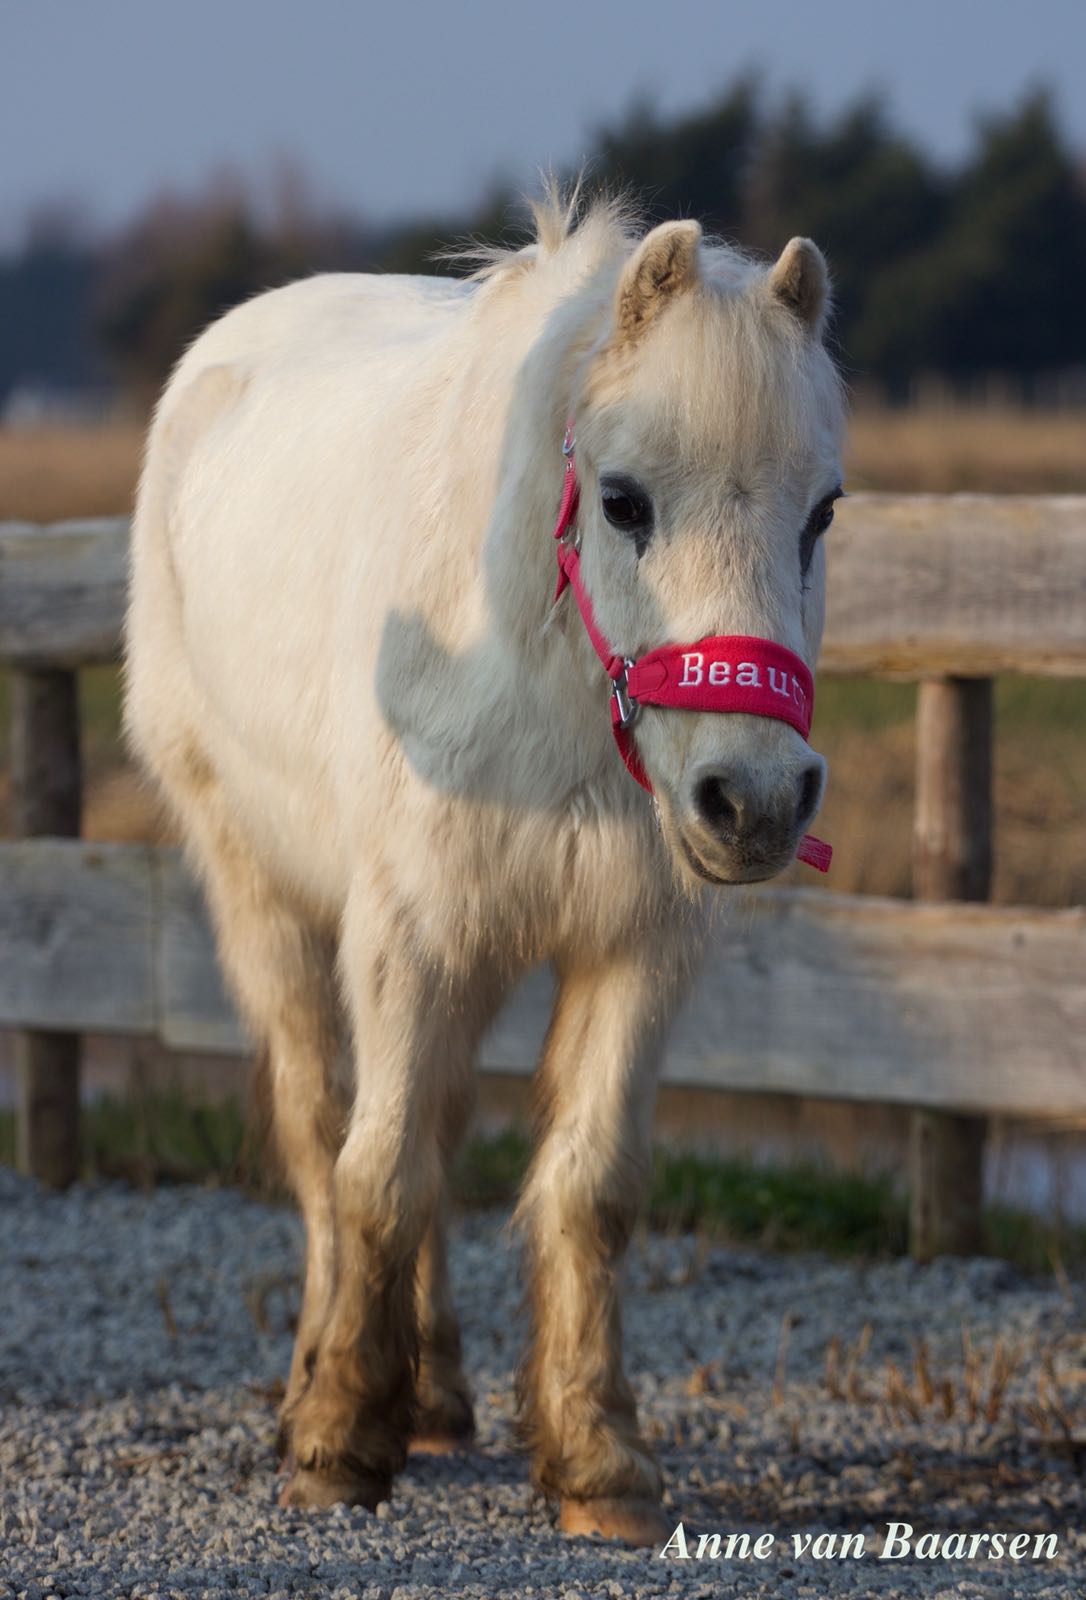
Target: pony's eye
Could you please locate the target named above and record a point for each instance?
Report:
(625, 504)
(816, 525)
(622, 510)
(628, 509)
(823, 516)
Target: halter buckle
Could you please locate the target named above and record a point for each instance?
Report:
(626, 707)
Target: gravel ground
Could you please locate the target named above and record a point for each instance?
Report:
(143, 1335)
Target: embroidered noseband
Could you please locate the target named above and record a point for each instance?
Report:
(725, 672)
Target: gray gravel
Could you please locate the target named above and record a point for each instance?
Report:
(142, 1335)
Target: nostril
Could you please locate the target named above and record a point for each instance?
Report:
(717, 805)
(810, 788)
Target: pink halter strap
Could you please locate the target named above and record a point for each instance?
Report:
(724, 672)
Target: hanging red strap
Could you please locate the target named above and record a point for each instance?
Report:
(725, 672)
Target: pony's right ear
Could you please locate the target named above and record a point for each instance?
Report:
(800, 281)
(663, 265)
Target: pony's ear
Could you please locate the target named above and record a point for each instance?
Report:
(663, 266)
(800, 281)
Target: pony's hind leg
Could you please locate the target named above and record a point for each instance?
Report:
(281, 971)
(444, 1417)
(309, 1112)
(580, 1203)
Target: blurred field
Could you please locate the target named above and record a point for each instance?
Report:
(943, 449)
(54, 472)
(865, 729)
(50, 473)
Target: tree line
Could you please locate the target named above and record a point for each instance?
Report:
(961, 270)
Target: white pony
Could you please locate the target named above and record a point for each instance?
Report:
(388, 747)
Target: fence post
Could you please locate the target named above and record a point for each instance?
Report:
(952, 860)
(47, 800)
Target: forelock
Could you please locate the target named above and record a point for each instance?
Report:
(725, 367)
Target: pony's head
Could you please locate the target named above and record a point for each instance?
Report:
(708, 427)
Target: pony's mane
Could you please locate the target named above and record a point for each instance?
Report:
(585, 232)
(565, 222)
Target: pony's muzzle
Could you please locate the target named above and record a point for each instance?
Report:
(744, 824)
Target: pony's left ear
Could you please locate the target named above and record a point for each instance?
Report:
(800, 281)
(663, 265)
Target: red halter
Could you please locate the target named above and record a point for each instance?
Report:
(725, 672)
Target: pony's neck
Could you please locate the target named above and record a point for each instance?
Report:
(519, 564)
(545, 657)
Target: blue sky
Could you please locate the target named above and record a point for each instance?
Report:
(396, 108)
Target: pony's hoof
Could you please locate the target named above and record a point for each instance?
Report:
(433, 1442)
(307, 1489)
(443, 1427)
(638, 1522)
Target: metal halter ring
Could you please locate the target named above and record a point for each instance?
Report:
(625, 704)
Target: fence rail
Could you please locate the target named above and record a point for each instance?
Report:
(956, 1010)
(966, 1008)
(920, 586)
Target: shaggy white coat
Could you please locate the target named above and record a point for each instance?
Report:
(387, 749)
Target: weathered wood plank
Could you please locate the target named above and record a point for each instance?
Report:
(952, 826)
(47, 1119)
(971, 1008)
(194, 1012)
(76, 936)
(946, 1184)
(62, 591)
(962, 584)
(966, 1007)
(952, 860)
(47, 801)
(46, 754)
(968, 585)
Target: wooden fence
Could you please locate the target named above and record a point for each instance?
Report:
(953, 1008)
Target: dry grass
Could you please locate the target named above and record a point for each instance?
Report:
(55, 472)
(49, 473)
(1039, 795)
(940, 449)
(990, 1390)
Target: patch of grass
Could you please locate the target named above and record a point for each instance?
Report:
(801, 1207)
(1024, 707)
(490, 1169)
(170, 1136)
(863, 705)
(100, 711)
(1047, 705)
(788, 1208)
(1033, 1244)
(165, 1136)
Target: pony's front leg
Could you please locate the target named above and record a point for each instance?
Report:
(415, 1030)
(580, 1204)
